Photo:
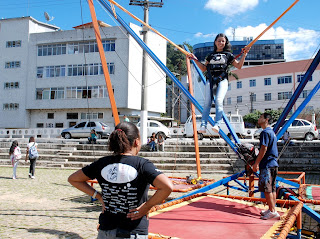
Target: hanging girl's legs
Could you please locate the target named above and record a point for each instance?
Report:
(221, 93)
(207, 106)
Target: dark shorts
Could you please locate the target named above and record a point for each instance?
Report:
(267, 180)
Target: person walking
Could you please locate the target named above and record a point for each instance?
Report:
(15, 156)
(216, 66)
(267, 163)
(124, 179)
(32, 154)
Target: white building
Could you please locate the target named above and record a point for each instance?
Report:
(54, 78)
(270, 87)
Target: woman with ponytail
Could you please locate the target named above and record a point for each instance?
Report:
(124, 179)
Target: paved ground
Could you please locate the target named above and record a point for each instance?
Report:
(48, 207)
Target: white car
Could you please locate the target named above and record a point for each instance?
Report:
(156, 127)
(83, 129)
(299, 129)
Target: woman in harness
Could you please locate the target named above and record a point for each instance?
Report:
(216, 66)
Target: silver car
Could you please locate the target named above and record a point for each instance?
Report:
(83, 129)
(299, 129)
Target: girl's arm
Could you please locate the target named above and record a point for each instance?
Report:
(203, 67)
(164, 188)
(79, 181)
(239, 64)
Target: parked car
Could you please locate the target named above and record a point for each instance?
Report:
(156, 127)
(83, 129)
(299, 129)
(235, 120)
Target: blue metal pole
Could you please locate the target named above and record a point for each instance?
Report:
(297, 92)
(213, 185)
(225, 118)
(167, 71)
(298, 111)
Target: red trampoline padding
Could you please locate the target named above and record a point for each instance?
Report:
(211, 217)
(315, 193)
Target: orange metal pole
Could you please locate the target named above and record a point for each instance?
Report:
(194, 121)
(104, 63)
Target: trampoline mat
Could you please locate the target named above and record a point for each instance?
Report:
(212, 217)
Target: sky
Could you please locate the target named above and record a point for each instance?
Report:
(195, 21)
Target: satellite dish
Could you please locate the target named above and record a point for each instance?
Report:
(47, 17)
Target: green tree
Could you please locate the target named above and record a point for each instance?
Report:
(252, 118)
(176, 60)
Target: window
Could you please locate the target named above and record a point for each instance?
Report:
(83, 92)
(89, 69)
(300, 77)
(10, 44)
(239, 84)
(297, 123)
(13, 64)
(11, 85)
(284, 95)
(59, 125)
(81, 125)
(252, 83)
(39, 72)
(266, 47)
(90, 116)
(284, 79)
(239, 99)
(50, 115)
(267, 97)
(49, 93)
(91, 124)
(229, 87)
(39, 125)
(267, 81)
(253, 97)
(51, 71)
(229, 101)
(51, 50)
(10, 106)
(304, 94)
(72, 115)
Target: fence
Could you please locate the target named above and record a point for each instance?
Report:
(35, 132)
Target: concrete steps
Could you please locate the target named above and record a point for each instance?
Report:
(178, 157)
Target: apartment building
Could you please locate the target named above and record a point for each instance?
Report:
(54, 78)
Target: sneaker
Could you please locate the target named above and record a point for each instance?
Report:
(203, 128)
(33, 177)
(14, 178)
(29, 175)
(271, 215)
(264, 212)
(216, 128)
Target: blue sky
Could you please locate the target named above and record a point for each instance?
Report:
(196, 21)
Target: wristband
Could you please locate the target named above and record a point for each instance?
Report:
(95, 194)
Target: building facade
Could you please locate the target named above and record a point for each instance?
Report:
(270, 87)
(54, 78)
(262, 52)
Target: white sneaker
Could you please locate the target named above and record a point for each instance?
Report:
(271, 215)
(216, 128)
(29, 175)
(264, 212)
(203, 129)
(33, 177)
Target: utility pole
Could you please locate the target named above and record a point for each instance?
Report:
(251, 101)
(144, 96)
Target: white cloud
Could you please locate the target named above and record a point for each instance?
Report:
(205, 36)
(231, 7)
(298, 44)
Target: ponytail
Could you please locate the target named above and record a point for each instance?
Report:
(122, 138)
(14, 144)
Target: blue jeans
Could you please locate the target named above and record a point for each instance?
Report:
(219, 92)
(111, 234)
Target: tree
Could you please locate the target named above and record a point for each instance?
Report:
(176, 60)
(252, 118)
